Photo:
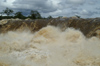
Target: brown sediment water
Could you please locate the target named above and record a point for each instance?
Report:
(48, 45)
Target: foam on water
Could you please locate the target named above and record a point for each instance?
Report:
(49, 47)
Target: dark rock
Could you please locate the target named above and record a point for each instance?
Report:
(87, 26)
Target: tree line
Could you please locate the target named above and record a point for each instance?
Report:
(34, 14)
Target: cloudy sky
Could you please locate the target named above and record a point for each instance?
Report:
(68, 8)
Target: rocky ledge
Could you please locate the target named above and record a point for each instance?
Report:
(89, 27)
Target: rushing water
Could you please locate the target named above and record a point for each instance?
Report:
(49, 47)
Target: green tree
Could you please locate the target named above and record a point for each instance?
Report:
(60, 16)
(8, 11)
(35, 15)
(49, 17)
(1, 13)
(77, 16)
(19, 15)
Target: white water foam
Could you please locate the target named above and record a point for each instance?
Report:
(49, 47)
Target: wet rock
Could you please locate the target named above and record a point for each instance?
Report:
(4, 21)
(74, 17)
(88, 26)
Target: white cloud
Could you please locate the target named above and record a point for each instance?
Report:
(7, 3)
(83, 8)
(41, 5)
(84, 13)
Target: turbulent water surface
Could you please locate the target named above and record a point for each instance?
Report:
(49, 47)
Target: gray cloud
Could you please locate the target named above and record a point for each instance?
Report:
(97, 8)
(41, 5)
(83, 8)
(72, 3)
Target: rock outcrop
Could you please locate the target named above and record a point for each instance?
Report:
(89, 27)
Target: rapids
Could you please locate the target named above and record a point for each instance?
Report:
(49, 47)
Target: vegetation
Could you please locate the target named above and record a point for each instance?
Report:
(19, 15)
(49, 17)
(1, 13)
(35, 15)
(9, 13)
(77, 16)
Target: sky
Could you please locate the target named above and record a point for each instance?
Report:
(55, 8)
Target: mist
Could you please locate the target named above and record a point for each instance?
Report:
(49, 47)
